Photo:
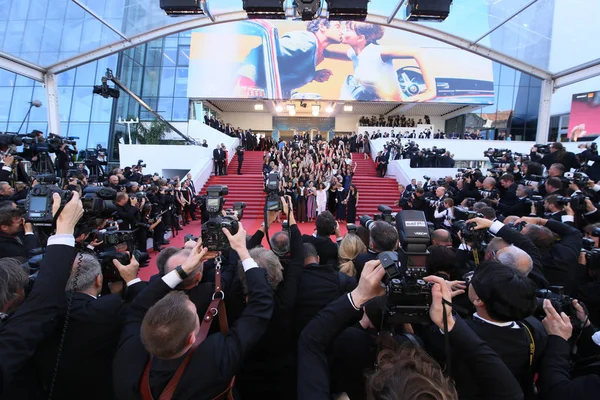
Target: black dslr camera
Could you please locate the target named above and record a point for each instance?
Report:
(560, 301)
(110, 273)
(273, 201)
(38, 204)
(386, 216)
(98, 201)
(212, 231)
(408, 295)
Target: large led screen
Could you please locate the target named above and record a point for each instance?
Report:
(584, 121)
(332, 60)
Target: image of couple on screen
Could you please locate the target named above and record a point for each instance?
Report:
(374, 76)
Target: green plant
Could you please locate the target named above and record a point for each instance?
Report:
(150, 134)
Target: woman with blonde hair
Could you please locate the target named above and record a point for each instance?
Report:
(350, 247)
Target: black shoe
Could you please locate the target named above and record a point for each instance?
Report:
(156, 248)
(164, 242)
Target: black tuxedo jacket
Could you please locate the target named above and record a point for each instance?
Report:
(89, 347)
(326, 248)
(213, 363)
(25, 329)
(240, 154)
(18, 246)
(318, 286)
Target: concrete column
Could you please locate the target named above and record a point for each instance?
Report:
(543, 126)
(52, 103)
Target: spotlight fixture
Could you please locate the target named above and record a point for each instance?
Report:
(315, 110)
(265, 9)
(427, 10)
(176, 8)
(259, 107)
(347, 10)
(329, 109)
(348, 108)
(291, 108)
(307, 9)
(278, 108)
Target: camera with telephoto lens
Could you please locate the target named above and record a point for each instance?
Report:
(468, 233)
(213, 237)
(98, 201)
(112, 236)
(577, 202)
(38, 204)
(543, 148)
(140, 163)
(110, 273)
(463, 213)
(386, 215)
(273, 201)
(579, 178)
(560, 301)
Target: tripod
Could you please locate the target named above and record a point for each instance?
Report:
(44, 164)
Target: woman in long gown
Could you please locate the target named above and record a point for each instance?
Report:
(340, 214)
(351, 204)
(332, 201)
(301, 207)
(311, 193)
(321, 199)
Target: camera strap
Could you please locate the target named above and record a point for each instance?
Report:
(216, 307)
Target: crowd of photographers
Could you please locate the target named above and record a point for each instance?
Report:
(497, 300)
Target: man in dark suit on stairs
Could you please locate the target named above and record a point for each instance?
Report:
(219, 160)
(240, 155)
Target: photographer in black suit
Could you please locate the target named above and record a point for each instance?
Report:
(165, 325)
(17, 238)
(91, 340)
(21, 333)
(321, 239)
(504, 301)
(240, 155)
(382, 237)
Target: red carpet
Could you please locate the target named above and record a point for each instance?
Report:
(248, 188)
(250, 225)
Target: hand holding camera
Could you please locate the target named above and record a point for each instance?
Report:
(71, 213)
(369, 285)
(195, 258)
(440, 293)
(238, 242)
(128, 272)
(480, 223)
(556, 324)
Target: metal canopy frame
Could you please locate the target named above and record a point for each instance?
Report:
(45, 75)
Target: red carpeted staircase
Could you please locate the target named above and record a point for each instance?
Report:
(247, 187)
(372, 189)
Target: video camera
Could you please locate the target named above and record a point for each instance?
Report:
(10, 139)
(55, 141)
(273, 200)
(212, 231)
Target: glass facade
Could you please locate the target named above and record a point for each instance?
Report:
(515, 109)
(158, 71)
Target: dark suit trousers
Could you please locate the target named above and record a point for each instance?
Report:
(239, 170)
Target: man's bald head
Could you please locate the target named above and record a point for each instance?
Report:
(179, 258)
(494, 246)
(441, 237)
(516, 258)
